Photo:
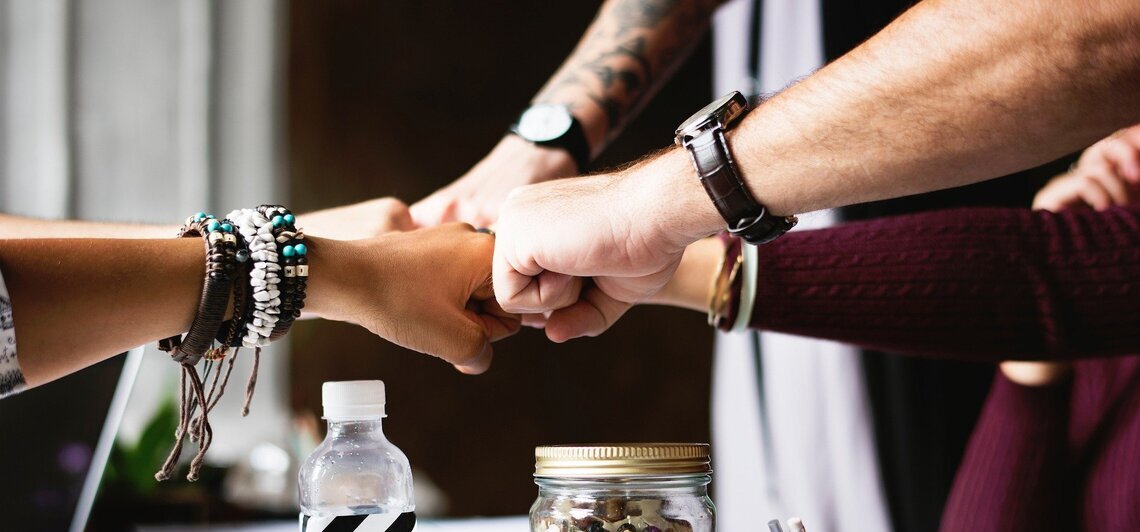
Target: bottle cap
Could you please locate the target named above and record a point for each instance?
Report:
(353, 399)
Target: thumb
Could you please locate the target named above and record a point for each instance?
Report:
(592, 315)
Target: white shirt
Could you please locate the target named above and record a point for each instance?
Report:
(818, 459)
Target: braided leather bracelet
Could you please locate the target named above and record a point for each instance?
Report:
(221, 269)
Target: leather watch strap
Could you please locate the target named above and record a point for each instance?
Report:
(574, 142)
(718, 174)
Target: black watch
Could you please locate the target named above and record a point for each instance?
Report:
(703, 135)
(553, 126)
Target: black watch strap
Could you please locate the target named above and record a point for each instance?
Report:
(573, 141)
(747, 218)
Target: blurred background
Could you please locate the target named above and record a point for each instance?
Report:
(145, 111)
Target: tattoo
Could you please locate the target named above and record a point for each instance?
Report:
(630, 47)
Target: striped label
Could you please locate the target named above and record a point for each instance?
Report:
(388, 522)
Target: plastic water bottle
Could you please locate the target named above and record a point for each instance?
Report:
(356, 479)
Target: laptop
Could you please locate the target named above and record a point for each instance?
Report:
(55, 441)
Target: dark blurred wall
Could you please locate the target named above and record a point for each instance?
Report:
(400, 98)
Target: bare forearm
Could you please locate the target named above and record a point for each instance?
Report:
(954, 92)
(76, 302)
(630, 49)
(12, 226)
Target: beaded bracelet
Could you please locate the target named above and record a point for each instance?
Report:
(221, 252)
(294, 262)
(264, 276)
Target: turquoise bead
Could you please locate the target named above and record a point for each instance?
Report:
(278, 221)
(288, 251)
(301, 249)
(199, 216)
(289, 218)
(227, 228)
(213, 226)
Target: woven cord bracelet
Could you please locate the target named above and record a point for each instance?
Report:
(221, 270)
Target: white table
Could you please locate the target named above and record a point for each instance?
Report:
(486, 524)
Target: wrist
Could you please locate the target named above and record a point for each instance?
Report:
(691, 284)
(329, 264)
(672, 200)
(546, 163)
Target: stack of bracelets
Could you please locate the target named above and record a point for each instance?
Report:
(732, 293)
(256, 261)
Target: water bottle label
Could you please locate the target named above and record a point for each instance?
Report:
(389, 522)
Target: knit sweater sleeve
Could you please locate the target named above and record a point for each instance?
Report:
(1016, 473)
(973, 284)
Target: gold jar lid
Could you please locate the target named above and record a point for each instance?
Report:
(621, 460)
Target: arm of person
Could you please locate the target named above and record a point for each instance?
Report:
(1017, 472)
(983, 285)
(13, 226)
(952, 92)
(76, 302)
(348, 222)
(625, 56)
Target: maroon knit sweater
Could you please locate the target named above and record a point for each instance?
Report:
(1054, 458)
(971, 284)
(989, 285)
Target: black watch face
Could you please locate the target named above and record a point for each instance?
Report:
(544, 122)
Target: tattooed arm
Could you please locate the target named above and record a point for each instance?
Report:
(627, 53)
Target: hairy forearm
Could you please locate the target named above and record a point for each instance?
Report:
(630, 49)
(12, 226)
(953, 92)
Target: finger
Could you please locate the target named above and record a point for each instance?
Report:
(1114, 186)
(497, 322)
(532, 289)
(432, 210)
(400, 219)
(479, 364)
(1126, 158)
(534, 321)
(1093, 194)
(461, 339)
(474, 214)
(590, 316)
(1060, 193)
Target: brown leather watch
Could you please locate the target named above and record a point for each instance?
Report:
(703, 135)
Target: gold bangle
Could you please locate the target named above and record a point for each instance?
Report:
(714, 289)
(719, 292)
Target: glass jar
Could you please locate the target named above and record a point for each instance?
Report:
(651, 487)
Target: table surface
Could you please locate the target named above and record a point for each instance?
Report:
(487, 524)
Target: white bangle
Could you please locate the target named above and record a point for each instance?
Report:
(749, 257)
(264, 278)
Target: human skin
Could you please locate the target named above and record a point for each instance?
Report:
(628, 52)
(347, 222)
(79, 301)
(953, 92)
(1103, 167)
